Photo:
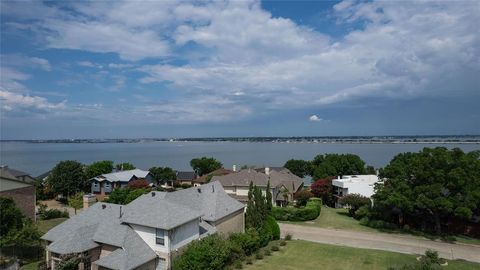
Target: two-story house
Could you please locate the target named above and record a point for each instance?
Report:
(147, 233)
(283, 183)
(105, 183)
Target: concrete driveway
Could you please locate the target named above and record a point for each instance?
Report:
(382, 241)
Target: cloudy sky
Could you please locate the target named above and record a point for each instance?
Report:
(238, 68)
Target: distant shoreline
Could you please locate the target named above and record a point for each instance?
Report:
(460, 139)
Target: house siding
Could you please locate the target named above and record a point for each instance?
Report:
(148, 235)
(184, 234)
(233, 223)
(24, 198)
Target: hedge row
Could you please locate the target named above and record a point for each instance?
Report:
(309, 212)
(215, 252)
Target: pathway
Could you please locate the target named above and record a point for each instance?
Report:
(382, 241)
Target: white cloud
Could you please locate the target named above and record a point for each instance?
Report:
(315, 118)
(43, 63)
(11, 79)
(13, 102)
(86, 64)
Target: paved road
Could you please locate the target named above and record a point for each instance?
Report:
(382, 241)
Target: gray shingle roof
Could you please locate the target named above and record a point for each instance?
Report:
(186, 175)
(121, 176)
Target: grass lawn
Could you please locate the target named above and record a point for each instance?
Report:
(299, 255)
(45, 225)
(30, 266)
(337, 218)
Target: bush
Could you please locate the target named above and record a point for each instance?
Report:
(210, 253)
(362, 212)
(309, 212)
(249, 241)
(302, 197)
(46, 214)
(354, 202)
(378, 224)
(249, 261)
(259, 256)
(288, 237)
(275, 248)
(185, 185)
(283, 243)
(267, 252)
(272, 228)
(238, 265)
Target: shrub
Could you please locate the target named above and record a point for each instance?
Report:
(275, 248)
(288, 237)
(302, 197)
(267, 252)
(209, 253)
(185, 185)
(259, 256)
(272, 228)
(238, 265)
(249, 241)
(309, 212)
(362, 212)
(283, 243)
(249, 261)
(354, 202)
(46, 214)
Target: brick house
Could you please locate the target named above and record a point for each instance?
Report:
(19, 186)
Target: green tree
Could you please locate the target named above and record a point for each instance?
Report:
(268, 197)
(125, 195)
(337, 164)
(300, 168)
(125, 166)
(98, 168)
(432, 186)
(67, 177)
(162, 174)
(76, 201)
(354, 202)
(250, 214)
(10, 216)
(205, 165)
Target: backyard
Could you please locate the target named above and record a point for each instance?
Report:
(338, 219)
(297, 255)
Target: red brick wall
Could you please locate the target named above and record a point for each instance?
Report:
(24, 199)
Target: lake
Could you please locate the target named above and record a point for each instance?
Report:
(37, 158)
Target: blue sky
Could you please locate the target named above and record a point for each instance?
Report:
(113, 69)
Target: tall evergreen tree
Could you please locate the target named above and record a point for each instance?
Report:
(249, 215)
(269, 198)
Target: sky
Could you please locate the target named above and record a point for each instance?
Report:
(111, 69)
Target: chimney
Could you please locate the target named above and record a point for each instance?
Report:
(88, 200)
(338, 177)
(267, 170)
(234, 168)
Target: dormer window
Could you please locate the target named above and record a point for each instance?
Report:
(160, 237)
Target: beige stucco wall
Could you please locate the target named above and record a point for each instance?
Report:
(232, 223)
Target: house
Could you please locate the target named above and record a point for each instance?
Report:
(185, 177)
(105, 183)
(19, 186)
(350, 184)
(283, 184)
(147, 233)
(208, 177)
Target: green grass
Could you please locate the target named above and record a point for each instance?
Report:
(30, 266)
(45, 225)
(299, 255)
(337, 218)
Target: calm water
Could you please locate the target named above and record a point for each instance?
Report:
(37, 158)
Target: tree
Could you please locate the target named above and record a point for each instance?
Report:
(337, 164)
(67, 177)
(162, 174)
(429, 188)
(250, 213)
(268, 197)
(205, 165)
(354, 202)
(76, 201)
(10, 216)
(125, 195)
(302, 197)
(125, 166)
(300, 168)
(322, 188)
(98, 168)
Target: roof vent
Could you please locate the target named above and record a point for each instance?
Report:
(199, 190)
(213, 189)
(104, 206)
(153, 194)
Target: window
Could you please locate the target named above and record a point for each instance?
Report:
(95, 184)
(160, 237)
(107, 184)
